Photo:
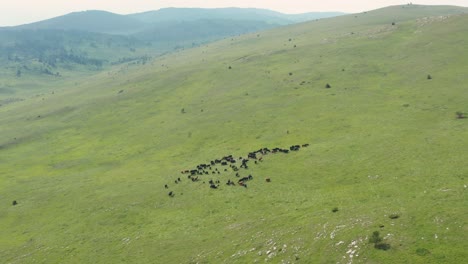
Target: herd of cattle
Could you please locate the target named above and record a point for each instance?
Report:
(229, 164)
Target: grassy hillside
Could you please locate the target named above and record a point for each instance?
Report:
(87, 161)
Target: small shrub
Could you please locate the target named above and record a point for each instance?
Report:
(377, 241)
(14, 203)
(290, 73)
(328, 86)
(422, 252)
(460, 115)
(382, 246)
(182, 110)
(229, 67)
(393, 23)
(394, 216)
(375, 238)
(429, 77)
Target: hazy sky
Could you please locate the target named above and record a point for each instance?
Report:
(15, 12)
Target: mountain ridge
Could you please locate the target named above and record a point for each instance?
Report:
(100, 21)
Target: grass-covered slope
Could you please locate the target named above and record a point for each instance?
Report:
(87, 164)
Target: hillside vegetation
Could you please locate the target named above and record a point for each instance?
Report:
(383, 179)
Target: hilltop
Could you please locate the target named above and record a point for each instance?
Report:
(374, 95)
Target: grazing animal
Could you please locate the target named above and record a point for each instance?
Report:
(171, 194)
(247, 178)
(165, 186)
(14, 203)
(294, 148)
(252, 155)
(212, 186)
(268, 180)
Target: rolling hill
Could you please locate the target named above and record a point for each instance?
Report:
(83, 42)
(383, 180)
(242, 14)
(95, 21)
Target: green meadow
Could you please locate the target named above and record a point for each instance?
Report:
(86, 157)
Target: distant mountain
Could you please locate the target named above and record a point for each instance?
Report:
(109, 23)
(90, 21)
(296, 18)
(244, 14)
(96, 38)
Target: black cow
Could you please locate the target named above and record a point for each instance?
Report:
(294, 148)
(14, 203)
(247, 178)
(165, 186)
(171, 194)
(212, 186)
(229, 182)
